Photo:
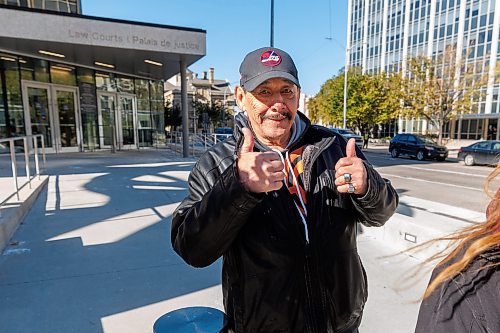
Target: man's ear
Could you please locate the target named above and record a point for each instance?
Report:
(239, 94)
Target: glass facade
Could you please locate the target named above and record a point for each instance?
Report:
(63, 6)
(144, 120)
(12, 96)
(383, 34)
(106, 102)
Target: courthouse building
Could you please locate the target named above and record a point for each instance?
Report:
(384, 34)
(84, 82)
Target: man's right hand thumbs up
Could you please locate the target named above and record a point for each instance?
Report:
(247, 146)
(258, 172)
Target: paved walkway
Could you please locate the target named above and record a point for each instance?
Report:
(94, 254)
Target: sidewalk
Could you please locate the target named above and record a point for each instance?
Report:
(94, 253)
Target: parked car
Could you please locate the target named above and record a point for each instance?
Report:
(482, 152)
(5, 148)
(347, 134)
(223, 130)
(418, 146)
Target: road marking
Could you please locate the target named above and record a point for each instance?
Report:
(432, 182)
(446, 171)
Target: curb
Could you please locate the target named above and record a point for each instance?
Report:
(13, 212)
(413, 226)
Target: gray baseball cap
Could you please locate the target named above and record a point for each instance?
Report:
(264, 64)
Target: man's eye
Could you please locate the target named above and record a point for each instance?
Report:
(287, 91)
(264, 92)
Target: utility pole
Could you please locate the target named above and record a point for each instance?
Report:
(346, 69)
(272, 23)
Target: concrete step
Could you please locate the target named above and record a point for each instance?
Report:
(418, 221)
(13, 211)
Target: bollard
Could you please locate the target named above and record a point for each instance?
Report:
(191, 320)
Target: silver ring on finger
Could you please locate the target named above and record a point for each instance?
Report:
(347, 177)
(350, 188)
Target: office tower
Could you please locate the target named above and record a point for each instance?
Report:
(383, 34)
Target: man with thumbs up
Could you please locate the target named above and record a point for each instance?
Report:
(279, 201)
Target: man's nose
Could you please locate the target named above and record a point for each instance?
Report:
(278, 101)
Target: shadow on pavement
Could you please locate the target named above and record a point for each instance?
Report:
(97, 244)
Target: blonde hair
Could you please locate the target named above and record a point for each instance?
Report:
(473, 241)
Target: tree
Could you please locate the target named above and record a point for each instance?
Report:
(215, 111)
(326, 106)
(371, 100)
(440, 88)
(173, 116)
(374, 100)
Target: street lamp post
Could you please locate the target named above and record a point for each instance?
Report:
(346, 68)
(272, 23)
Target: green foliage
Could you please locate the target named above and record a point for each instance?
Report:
(216, 112)
(173, 116)
(439, 89)
(371, 100)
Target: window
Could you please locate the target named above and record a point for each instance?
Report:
(14, 97)
(482, 22)
(482, 145)
(473, 24)
(63, 74)
(65, 6)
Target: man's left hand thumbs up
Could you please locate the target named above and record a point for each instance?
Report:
(350, 172)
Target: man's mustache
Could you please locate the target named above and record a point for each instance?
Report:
(272, 115)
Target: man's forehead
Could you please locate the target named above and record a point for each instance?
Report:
(277, 79)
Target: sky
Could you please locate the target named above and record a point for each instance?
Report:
(313, 32)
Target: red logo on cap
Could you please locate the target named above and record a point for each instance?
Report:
(270, 58)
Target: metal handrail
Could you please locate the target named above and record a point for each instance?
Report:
(27, 150)
(197, 142)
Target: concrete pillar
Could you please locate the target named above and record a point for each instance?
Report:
(184, 107)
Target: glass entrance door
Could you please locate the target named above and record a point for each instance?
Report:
(117, 116)
(67, 120)
(127, 121)
(39, 114)
(106, 119)
(52, 111)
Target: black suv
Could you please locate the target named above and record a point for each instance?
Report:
(418, 146)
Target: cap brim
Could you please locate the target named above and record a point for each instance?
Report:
(253, 83)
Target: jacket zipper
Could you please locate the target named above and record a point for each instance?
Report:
(313, 317)
(311, 324)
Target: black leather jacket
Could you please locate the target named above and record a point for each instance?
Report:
(272, 279)
(467, 303)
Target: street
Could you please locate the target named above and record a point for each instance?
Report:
(448, 182)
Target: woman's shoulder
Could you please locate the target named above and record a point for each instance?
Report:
(469, 299)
